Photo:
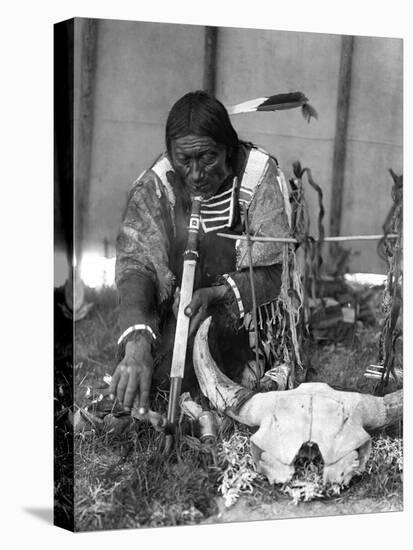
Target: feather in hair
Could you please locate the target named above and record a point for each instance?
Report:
(277, 102)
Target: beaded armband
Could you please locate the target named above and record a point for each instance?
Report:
(236, 292)
(129, 334)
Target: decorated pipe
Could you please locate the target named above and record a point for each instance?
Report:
(182, 322)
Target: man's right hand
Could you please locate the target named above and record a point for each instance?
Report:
(131, 381)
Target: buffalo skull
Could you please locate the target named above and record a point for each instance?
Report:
(290, 421)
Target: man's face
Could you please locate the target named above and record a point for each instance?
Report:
(201, 163)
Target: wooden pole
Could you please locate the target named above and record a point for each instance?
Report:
(210, 58)
(83, 147)
(340, 140)
(253, 294)
(340, 238)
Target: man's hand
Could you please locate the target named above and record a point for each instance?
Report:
(131, 381)
(197, 310)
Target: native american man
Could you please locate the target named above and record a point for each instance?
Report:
(204, 157)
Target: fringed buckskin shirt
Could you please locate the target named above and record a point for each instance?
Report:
(153, 234)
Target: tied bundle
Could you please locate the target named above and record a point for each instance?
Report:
(391, 250)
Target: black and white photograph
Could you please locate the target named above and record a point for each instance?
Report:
(228, 255)
(204, 274)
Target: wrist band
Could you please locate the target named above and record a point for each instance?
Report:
(237, 295)
(147, 328)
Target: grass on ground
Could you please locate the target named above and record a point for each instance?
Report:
(122, 481)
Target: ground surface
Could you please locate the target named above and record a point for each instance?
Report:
(121, 481)
(244, 510)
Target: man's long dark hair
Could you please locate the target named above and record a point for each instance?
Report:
(201, 114)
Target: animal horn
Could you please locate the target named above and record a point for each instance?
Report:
(379, 412)
(227, 396)
(224, 394)
(393, 403)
